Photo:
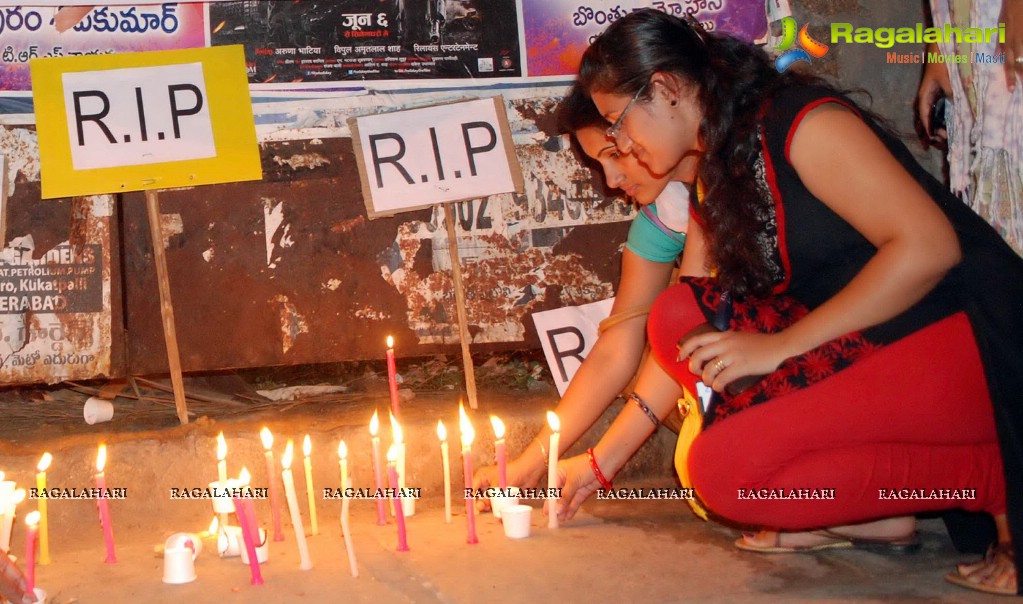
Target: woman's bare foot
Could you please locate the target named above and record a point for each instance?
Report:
(895, 531)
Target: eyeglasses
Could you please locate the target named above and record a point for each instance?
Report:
(612, 131)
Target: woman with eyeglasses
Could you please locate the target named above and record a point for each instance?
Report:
(655, 241)
(880, 320)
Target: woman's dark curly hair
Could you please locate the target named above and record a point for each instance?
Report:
(732, 79)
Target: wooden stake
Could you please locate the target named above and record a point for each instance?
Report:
(166, 308)
(463, 321)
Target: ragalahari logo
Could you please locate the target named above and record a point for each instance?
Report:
(810, 47)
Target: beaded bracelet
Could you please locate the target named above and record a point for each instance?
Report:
(643, 406)
(604, 482)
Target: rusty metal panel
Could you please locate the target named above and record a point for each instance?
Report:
(289, 270)
(60, 286)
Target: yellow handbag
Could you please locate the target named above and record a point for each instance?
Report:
(692, 423)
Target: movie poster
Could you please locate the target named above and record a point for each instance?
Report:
(316, 41)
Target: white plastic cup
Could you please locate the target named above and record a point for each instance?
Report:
(222, 501)
(97, 410)
(230, 542)
(408, 506)
(188, 541)
(40, 594)
(178, 565)
(262, 549)
(501, 499)
(515, 519)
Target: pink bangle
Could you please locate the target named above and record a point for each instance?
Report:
(604, 482)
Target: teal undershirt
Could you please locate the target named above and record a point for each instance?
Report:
(653, 242)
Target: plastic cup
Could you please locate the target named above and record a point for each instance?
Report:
(188, 541)
(230, 542)
(262, 549)
(502, 499)
(515, 519)
(97, 410)
(222, 501)
(40, 594)
(178, 565)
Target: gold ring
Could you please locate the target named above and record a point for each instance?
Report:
(719, 366)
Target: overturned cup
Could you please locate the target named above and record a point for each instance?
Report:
(262, 549)
(178, 565)
(97, 410)
(229, 541)
(188, 541)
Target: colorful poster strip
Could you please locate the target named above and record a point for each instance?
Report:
(558, 31)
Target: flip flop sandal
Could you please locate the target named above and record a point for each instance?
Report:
(838, 543)
(900, 545)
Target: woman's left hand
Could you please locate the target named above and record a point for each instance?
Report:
(721, 357)
(577, 482)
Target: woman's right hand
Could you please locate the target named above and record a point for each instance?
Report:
(577, 482)
(520, 473)
(12, 582)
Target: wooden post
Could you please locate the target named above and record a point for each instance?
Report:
(166, 308)
(463, 322)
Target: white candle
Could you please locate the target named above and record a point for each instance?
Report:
(271, 475)
(307, 449)
(222, 468)
(374, 426)
(552, 468)
(8, 506)
(296, 517)
(44, 532)
(342, 453)
(501, 453)
(442, 434)
(407, 503)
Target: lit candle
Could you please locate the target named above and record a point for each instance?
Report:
(407, 503)
(32, 522)
(271, 474)
(470, 508)
(104, 510)
(552, 468)
(250, 530)
(392, 378)
(378, 477)
(14, 497)
(501, 453)
(442, 434)
(342, 454)
(296, 517)
(222, 468)
(307, 450)
(44, 535)
(392, 481)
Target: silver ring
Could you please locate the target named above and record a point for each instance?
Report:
(1019, 60)
(719, 366)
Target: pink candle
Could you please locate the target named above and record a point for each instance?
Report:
(246, 515)
(470, 508)
(399, 513)
(378, 477)
(32, 520)
(392, 379)
(271, 474)
(104, 510)
(501, 452)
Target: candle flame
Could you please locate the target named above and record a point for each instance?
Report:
(44, 463)
(33, 518)
(465, 426)
(395, 430)
(244, 477)
(374, 424)
(307, 446)
(101, 458)
(442, 432)
(18, 497)
(221, 447)
(289, 452)
(214, 526)
(267, 438)
(553, 422)
(498, 426)
(390, 341)
(342, 450)
(392, 453)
